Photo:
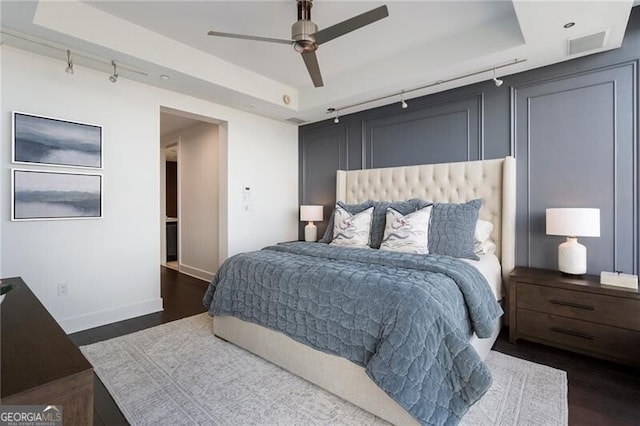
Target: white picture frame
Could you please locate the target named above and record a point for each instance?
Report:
(55, 195)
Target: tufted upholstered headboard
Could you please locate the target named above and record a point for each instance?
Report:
(492, 180)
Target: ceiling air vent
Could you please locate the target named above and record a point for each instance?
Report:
(295, 120)
(586, 43)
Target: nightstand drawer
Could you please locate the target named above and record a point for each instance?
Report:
(614, 342)
(600, 308)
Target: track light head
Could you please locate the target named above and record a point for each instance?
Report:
(496, 80)
(337, 117)
(69, 69)
(114, 77)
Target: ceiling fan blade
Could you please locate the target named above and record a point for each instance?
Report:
(249, 37)
(311, 61)
(351, 24)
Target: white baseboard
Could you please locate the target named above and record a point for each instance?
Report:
(96, 319)
(195, 272)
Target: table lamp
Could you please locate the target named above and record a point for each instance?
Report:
(573, 223)
(311, 214)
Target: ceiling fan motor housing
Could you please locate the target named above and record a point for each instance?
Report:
(301, 33)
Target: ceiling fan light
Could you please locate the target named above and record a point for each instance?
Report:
(303, 46)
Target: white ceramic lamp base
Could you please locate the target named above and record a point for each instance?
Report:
(572, 257)
(311, 233)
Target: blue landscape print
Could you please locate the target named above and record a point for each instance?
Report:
(51, 141)
(47, 195)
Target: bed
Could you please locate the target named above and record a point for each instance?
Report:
(491, 180)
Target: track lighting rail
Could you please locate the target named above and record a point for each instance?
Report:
(402, 93)
(68, 53)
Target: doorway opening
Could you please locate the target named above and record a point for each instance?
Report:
(171, 204)
(192, 192)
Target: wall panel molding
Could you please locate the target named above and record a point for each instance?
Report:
(612, 87)
(431, 133)
(321, 152)
(633, 64)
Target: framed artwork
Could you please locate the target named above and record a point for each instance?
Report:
(46, 195)
(56, 142)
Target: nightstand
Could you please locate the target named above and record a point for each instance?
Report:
(575, 313)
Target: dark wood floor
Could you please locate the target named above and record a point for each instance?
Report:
(600, 393)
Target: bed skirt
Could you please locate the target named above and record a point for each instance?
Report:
(335, 374)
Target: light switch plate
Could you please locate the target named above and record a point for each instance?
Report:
(619, 280)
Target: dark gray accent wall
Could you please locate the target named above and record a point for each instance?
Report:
(431, 134)
(573, 128)
(574, 147)
(324, 152)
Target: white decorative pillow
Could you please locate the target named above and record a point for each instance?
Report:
(407, 233)
(483, 231)
(483, 243)
(351, 230)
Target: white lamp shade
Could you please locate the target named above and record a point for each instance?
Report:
(574, 222)
(311, 213)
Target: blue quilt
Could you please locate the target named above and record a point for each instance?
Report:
(405, 318)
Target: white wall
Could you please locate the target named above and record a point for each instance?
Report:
(111, 264)
(266, 168)
(198, 206)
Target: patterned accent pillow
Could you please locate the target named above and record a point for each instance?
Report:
(380, 214)
(351, 230)
(351, 208)
(407, 233)
(452, 228)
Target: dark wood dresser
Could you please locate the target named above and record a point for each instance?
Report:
(577, 314)
(39, 363)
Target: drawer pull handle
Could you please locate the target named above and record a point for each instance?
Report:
(573, 305)
(573, 333)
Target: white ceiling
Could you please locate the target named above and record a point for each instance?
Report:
(172, 123)
(420, 43)
(381, 41)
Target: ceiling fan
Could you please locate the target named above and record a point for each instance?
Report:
(306, 38)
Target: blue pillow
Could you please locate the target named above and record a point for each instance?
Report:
(351, 208)
(380, 216)
(452, 228)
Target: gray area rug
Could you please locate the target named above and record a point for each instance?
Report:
(180, 374)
